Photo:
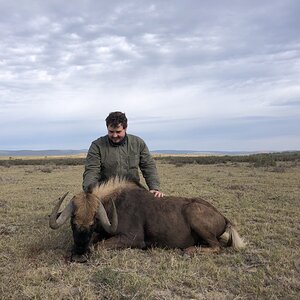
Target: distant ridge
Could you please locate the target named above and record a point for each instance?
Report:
(165, 152)
(40, 152)
(193, 152)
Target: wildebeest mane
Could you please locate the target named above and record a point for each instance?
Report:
(110, 188)
(87, 204)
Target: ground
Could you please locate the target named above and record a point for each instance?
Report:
(264, 202)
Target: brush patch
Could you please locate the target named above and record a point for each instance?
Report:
(112, 188)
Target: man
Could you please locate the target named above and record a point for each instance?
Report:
(120, 154)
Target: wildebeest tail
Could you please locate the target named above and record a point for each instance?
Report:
(233, 238)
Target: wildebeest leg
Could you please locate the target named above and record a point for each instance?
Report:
(202, 222)
(99, 236)
(121, 242)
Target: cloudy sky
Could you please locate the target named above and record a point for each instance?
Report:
(197, 75)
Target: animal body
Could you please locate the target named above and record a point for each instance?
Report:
(122, 214)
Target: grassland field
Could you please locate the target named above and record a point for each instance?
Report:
(263, 201)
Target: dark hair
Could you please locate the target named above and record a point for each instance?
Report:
(116, 118)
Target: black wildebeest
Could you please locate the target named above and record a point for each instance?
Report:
(127, 215)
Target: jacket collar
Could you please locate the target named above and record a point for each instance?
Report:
(121, 143)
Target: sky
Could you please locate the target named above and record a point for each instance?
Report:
(190, 75)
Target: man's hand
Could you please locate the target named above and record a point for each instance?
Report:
(156, 193)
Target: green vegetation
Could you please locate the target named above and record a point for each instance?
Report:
(65, 161)
(258, 160)
(264, 202)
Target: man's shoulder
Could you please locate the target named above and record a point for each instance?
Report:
(134, 138)
(101, 140)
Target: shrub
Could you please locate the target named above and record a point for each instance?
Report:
(46, 169)
(264, 161)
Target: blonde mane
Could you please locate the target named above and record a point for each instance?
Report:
(111, 188)
(86, 204)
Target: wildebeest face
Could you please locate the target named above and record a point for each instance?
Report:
(82, 237)
(85, 210)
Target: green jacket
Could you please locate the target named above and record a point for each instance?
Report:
(105, 160)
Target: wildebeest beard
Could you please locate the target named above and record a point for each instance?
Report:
(82, 238)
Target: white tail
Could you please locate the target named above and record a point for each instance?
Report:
(232, 238)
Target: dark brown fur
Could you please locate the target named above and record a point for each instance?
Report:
(172, 222)
(122, 214)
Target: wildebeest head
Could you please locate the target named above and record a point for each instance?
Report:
(86, 212)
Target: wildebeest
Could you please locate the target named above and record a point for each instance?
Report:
(123, 214)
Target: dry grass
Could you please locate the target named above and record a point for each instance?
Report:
(264, 202)
(79, 155)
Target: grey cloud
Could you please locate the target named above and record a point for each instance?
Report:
(130, 22)
(207, 52)
(290, 102)
(228, 133)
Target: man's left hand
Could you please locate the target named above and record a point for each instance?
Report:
(156, 193)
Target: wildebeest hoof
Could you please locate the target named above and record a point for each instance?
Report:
(79, 258)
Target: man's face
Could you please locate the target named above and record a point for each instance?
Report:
(116, 134)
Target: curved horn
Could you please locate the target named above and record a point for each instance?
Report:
(108, 227)
(55, 222)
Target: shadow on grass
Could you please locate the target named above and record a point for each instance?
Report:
(55, 244)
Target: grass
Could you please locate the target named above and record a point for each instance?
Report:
(264, 202)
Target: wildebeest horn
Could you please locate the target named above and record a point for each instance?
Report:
(108, 227)
(55, 222)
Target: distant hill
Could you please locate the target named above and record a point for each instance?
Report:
(40, 152)
(165, 152)
(193, 152)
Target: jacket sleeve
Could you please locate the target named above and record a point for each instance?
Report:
(148, 168)
(92, 170)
